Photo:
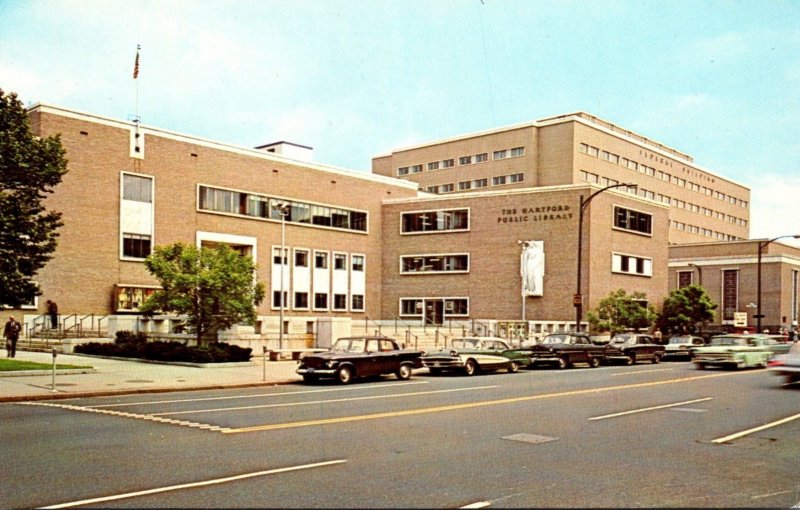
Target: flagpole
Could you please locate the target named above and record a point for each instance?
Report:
(136, 79)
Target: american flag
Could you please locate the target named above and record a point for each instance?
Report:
(136, 63)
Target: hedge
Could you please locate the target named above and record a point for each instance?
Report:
(135, 345)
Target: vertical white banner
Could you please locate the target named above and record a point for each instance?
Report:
(532, 268)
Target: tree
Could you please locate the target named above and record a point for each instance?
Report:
(30, 167)
(214, 288)
(619, 311)
(686, 308)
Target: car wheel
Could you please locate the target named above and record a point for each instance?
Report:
(631, 359)
(404, 372)
(310, 379)
(470, 367)
(514, 367)
(700, 366)
(345, 375)
(656, 358)
(593, 362)
(562, 363)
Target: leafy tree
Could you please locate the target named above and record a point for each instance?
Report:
(30, 167)
(619, 311)
(214, 287)
(686, 308)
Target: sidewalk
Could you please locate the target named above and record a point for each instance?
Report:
(119, 377)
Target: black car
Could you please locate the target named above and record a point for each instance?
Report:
(563, 349)
(354, 357)
(633, 347)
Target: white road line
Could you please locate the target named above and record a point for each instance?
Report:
(479, 504)
(193, 485)
(665, 406)
(315, 402)
(259, 395)
(642, 372)
(755, 429)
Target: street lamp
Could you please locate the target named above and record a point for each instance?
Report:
(699, 272)
(577, 300)
(283, 209)
(761, 246)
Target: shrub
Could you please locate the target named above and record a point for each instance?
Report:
(130, 345)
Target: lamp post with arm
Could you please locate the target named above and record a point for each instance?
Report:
(577, 300)
(283, 209)
(761, 246)
(699, 272)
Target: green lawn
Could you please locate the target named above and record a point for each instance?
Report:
(11, 365)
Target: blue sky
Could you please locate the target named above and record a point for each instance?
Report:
(357, 78)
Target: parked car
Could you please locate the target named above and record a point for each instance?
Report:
(633, 347)
(471, 355)
(354, 357)
(562, 350)
(680, 346)
(738, 351)
(787, 365)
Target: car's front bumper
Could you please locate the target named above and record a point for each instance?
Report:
(443, 363)
(319, 372)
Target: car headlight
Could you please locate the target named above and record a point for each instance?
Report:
(453, 353)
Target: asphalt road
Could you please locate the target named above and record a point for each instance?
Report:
(647, 435)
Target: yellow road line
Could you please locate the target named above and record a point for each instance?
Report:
(469, 405)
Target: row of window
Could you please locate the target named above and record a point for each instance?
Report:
(634, 221)
(451, 220)
(664, 199)
(450, 263)
(414, 307)
(498, 180)
(259, 206)
(515, 152)
(694, 229)
(664, 176)
(301, 301)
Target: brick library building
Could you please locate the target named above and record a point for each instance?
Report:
(476, 229)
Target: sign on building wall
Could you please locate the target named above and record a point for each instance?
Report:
(532, 268)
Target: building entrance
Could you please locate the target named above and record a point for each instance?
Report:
(434, 311)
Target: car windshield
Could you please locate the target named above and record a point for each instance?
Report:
(680, 340)
(728, 340)
(559, 339)
(349, 345)
(466, 343)
(622, 339)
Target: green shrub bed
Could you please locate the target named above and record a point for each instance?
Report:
(135, 345)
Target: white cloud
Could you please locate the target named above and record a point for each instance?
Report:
(775, 208)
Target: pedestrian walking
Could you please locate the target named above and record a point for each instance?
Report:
(11, 334)
(52, 311)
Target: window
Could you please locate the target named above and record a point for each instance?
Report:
(301, 258)
(130, 298)
(635, 221)
(498, 180)
(516, 178)
(358, 262)
(465, 160)
(499, 155)
(458, 263)
(517, 152)
(321, 260)
(435, 221)
(480, 158)
(480, 183)
(583, 148)
(135, 246)
(403, 170)
(447, 163)
(320, 301)
(730, 293)
(340, 261)
(137, 188)
(415, 169)
(276, 298)
(276, 256)
(411, 307)
(685, 278)
(630, 264)
(357, 302)
(446, 188)
(301, 300)
(253, 205)
(433, 165)
(464, 185)
(458, 306)
(340, 302)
